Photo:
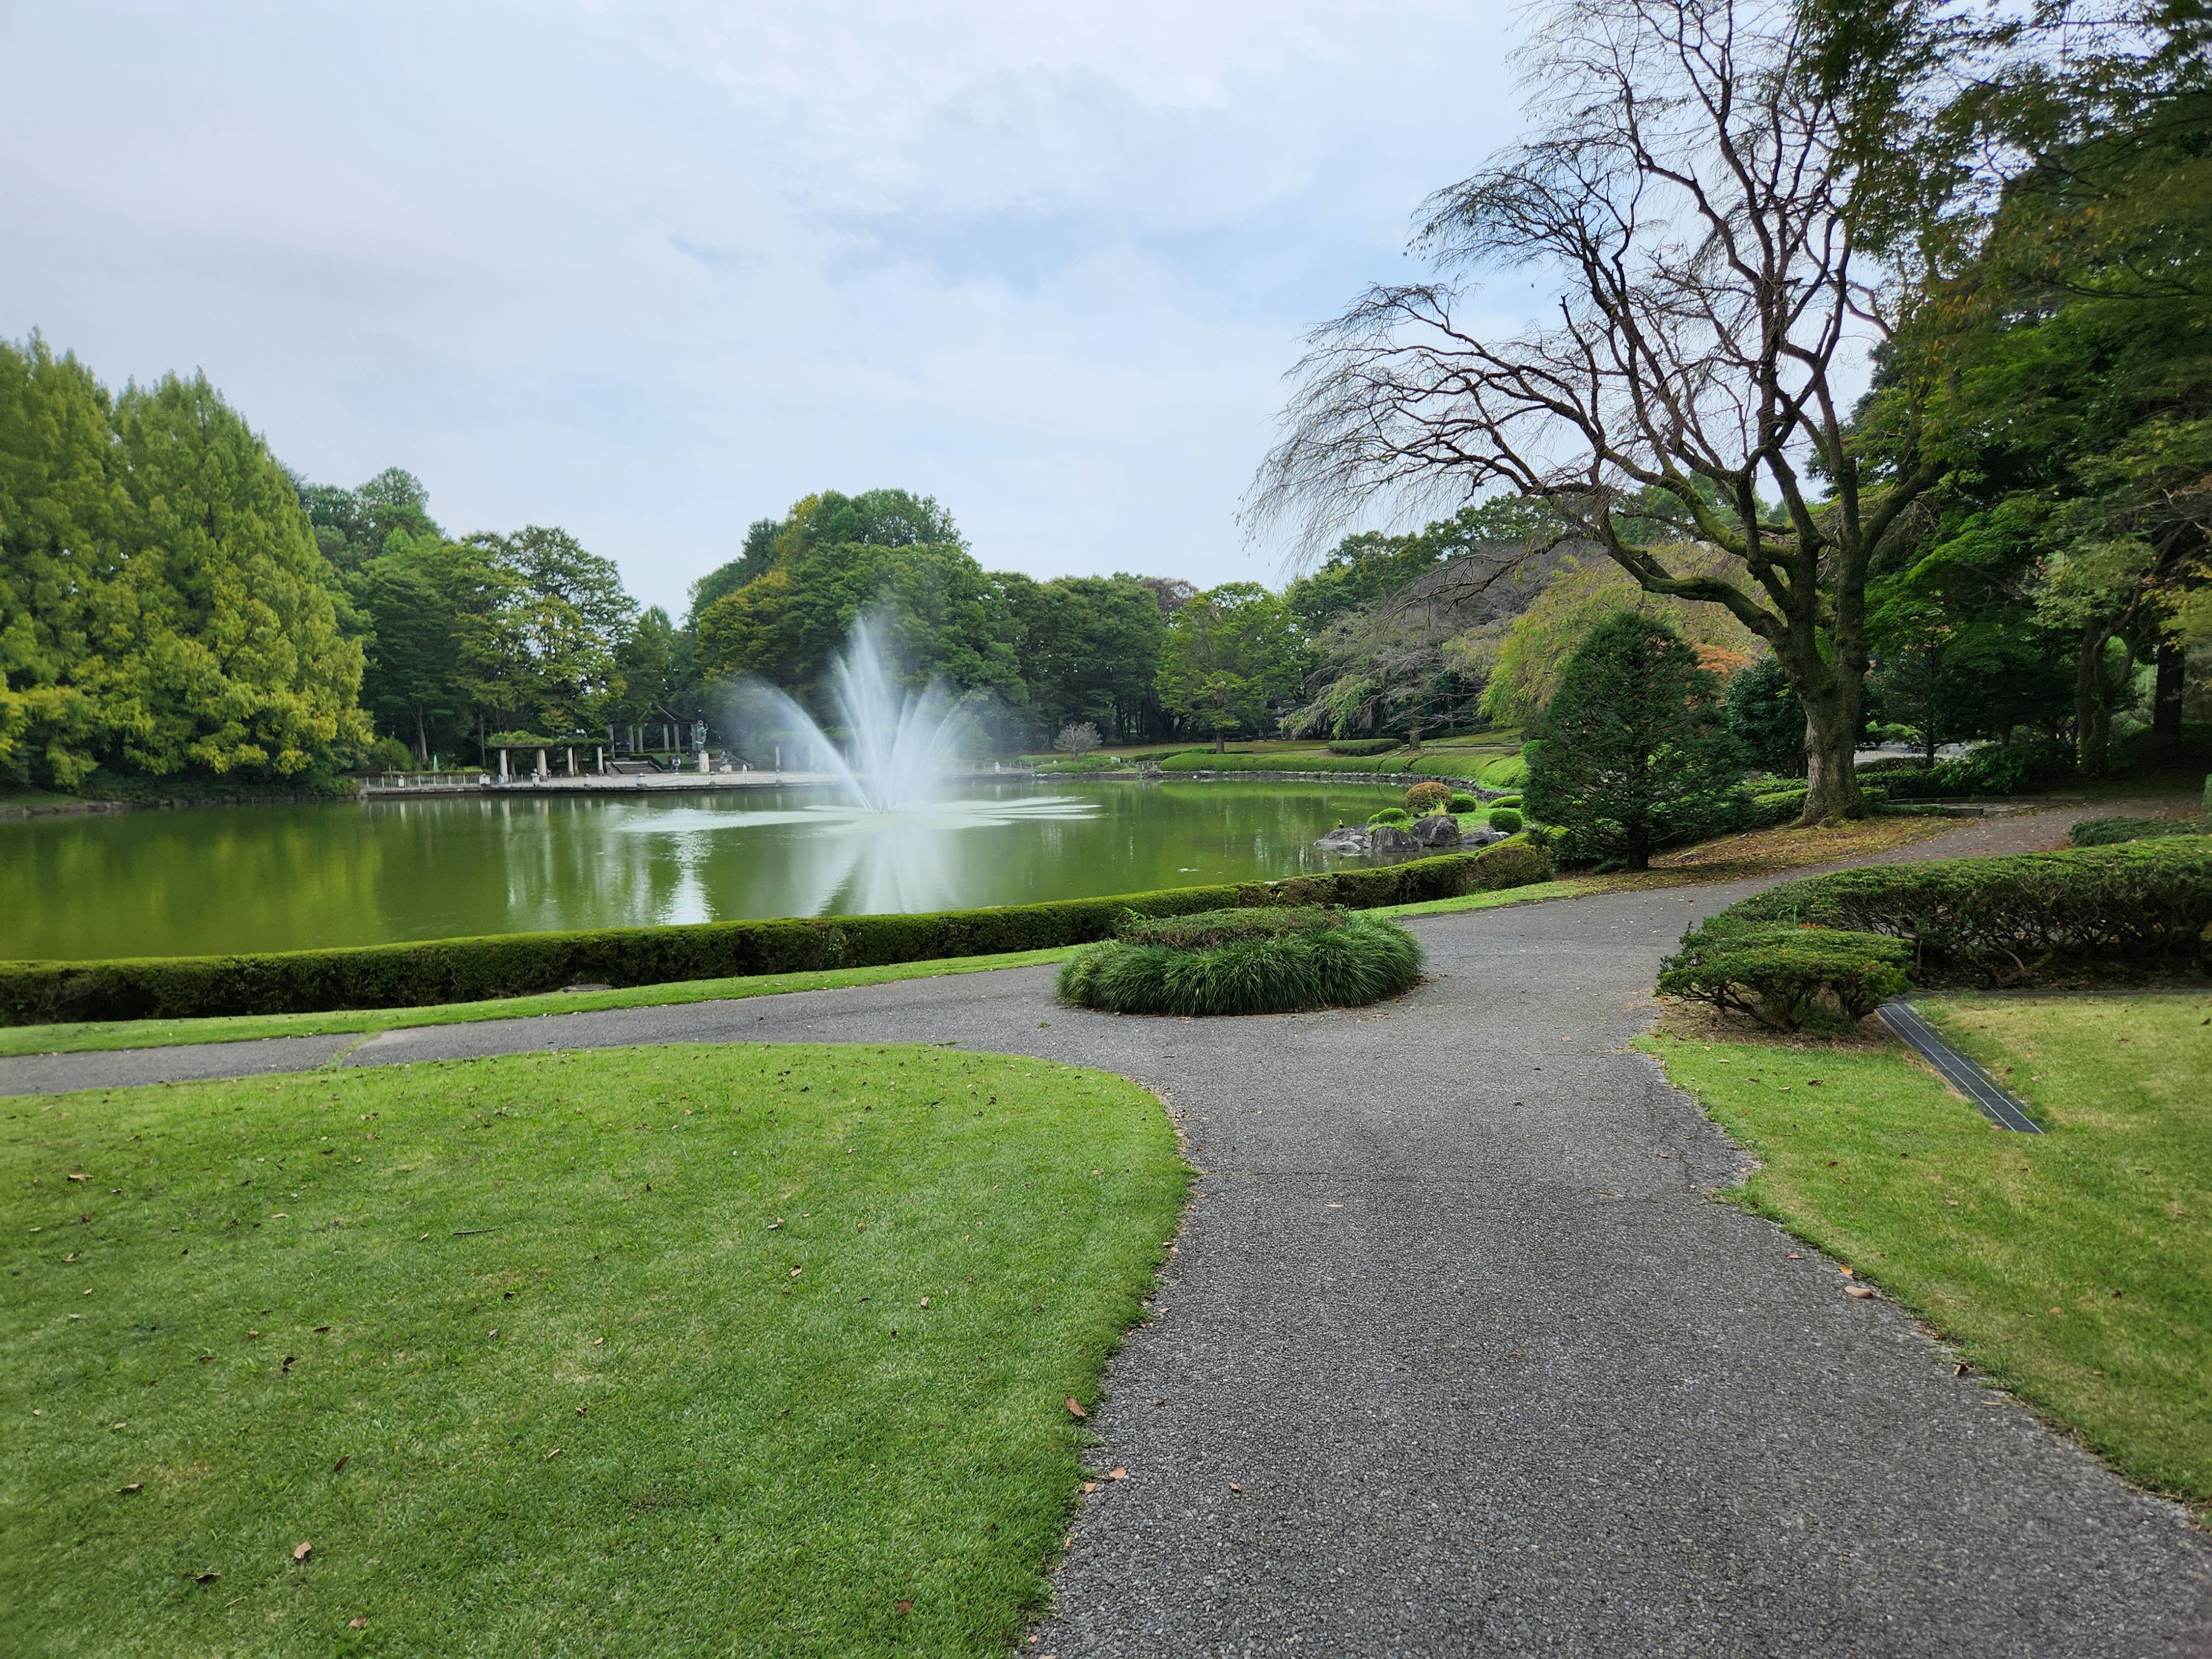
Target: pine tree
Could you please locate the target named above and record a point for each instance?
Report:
(1634, 755)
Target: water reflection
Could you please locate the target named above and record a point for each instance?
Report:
(239, 879)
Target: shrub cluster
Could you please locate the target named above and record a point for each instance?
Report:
(1397, 816)
(520, 964)
(1785, 974)
(1229, 963)
(2013, 769)
(2141, 906)
(2111, 832)
(1424, 799)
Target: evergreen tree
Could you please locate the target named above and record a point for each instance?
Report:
(1634, 755)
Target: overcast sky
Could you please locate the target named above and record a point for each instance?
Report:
(652, 271)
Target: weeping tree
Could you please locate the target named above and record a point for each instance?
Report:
(1727, 207)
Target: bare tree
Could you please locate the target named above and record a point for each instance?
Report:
(1704, 195)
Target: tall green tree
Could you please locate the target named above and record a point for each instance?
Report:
(64, 596)
(1089, 650)
(1633, 754)
(1233, 655)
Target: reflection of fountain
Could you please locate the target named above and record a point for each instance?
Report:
(903, 746)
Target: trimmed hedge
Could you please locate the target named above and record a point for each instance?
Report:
(2145, 906)
(1992, 769)
(1227, 963)
(1363, 746)
(1786, 975)
(522, 964)
(2111, 832)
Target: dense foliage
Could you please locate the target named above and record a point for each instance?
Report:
(163, 606)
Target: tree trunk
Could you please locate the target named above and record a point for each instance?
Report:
(2093, 711)
(1220, 743)
(1413, 735)
(421, 741)
(2166, 697)
(1832, 745)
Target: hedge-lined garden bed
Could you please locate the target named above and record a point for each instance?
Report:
(2144, 906)
(518, 964)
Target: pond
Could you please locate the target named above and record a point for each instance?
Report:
(200, 880)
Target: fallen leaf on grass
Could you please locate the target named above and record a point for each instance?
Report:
(302, 1553)
(136, 1485)
(1074, 1409)
(906, 1607)
(555, 1453)
(338, 1466)
(207, 1577)
(356, 1624)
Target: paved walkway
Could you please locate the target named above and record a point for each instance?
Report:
(1492, 1372)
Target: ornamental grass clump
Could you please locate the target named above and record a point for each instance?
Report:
(1271, 961)
(1787, 976)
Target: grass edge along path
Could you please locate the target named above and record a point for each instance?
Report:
(2067, 1266)
(749, 1348)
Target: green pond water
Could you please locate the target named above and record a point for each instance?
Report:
(193, 881)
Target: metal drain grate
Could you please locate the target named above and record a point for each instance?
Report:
(1991, 1098)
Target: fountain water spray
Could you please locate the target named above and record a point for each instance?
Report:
(903, 745)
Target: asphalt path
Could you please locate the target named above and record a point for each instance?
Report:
(1456, 1355)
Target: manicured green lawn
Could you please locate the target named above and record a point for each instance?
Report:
(157, 1033)
(732, 1350)
(2074, 1266)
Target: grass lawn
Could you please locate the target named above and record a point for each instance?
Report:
(733, 1350)
(2073, 1266)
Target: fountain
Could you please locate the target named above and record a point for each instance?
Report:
(905, 746)
(891, 844)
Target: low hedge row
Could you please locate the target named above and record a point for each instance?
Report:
(1787, 976)
(520, 964)
(2141, 906)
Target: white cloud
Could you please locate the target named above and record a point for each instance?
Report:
(652, 271)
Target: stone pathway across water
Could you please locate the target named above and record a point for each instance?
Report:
(1493, 1373)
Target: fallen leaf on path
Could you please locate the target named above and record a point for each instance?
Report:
(1117, 1475)
(1089, 1486)
(1233, 1487)
(1859, 1291)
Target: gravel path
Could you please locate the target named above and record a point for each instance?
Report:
(1455, 1356)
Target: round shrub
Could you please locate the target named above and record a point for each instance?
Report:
(1506, 800)
(1424, 799)
(1244, 962)
(1391, 815)
(1462, 803)
(1505, 819)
